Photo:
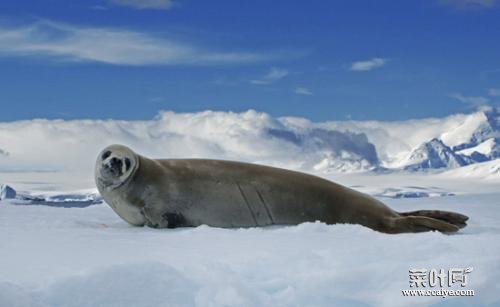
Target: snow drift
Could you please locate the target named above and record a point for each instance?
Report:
(75, 257)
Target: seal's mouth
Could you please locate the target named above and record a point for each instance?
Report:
(114, 165)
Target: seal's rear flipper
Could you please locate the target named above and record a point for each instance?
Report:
(421, 224)
(456, 219)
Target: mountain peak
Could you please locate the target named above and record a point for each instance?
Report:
(434, 154)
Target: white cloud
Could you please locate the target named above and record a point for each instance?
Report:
(110, 46)
(247, 136)
(368, 64)
(494, 92)
(302, 91)
(465, 4)
(472, 101)
(273, 75)
(145, 4)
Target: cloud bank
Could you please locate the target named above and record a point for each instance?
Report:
(110, 46)
(249, 136)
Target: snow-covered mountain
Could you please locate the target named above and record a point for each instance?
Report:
(485, 151)
(481, 143)
(334, 150)
(434, 154)
(487, 127)
(475, 140)
(434, 143)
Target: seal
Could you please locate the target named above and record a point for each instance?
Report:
(169, 193)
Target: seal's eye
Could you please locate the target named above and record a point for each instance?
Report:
(106, 155)
(127, 164)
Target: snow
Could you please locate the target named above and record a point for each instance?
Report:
(434, 154)
(484, 148)
(489, 170)
(89, 257)
(7, 192)
(462, 133)
(394, 141)
(55, 252)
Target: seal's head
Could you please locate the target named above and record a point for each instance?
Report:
(115, 165)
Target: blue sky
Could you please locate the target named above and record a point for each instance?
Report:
(324, 60)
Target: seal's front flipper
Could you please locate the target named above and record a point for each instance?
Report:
(420, 224)
(156, 219)
(153, 218)
(174, 220)
(454, 218)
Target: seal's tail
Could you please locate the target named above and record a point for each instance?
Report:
(454, 218)
(428, 220)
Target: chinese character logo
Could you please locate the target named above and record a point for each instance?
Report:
(418, 278)
(434, 277)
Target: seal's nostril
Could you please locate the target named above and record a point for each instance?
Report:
(106, 155)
